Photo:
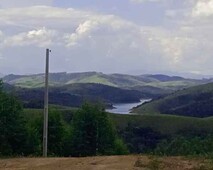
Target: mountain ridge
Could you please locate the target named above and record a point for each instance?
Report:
(115, 80)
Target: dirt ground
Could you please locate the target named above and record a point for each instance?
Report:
(134, 162)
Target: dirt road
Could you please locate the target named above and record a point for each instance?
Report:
(105, 163)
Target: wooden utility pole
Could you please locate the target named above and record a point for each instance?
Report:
(45, 133)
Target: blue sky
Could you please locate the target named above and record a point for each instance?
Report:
(128, 36)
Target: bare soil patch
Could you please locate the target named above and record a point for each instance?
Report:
(131, 162)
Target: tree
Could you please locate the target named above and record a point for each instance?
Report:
(93, 133)
(56, 133)
(12, 125)
(33, 144)
(1, 85)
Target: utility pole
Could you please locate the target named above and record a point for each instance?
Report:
(45, 128)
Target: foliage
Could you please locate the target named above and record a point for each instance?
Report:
(93, 133)
(141, 140)
(90, 131)
(56, 132)
(1, 85)
(74, 95)
(182, 146)
(194, 102)
(33, 144)
(12, 126)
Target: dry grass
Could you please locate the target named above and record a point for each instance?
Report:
(106, 163)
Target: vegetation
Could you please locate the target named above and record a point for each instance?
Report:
(91, 131)
(150, 134)
(187, 141)
(12, 129)
(114, 80)
(166, 134)
(194, 101)
(76, 94)
(73, 89)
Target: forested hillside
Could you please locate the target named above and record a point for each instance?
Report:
(72, 89)
(104, 133)
(195, 101)
(74, 95)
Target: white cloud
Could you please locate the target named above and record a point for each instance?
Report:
(101, 42)
(23, 3)
(41, 37)
(142, 1)
(81, 32)
(203, 8)
(1, 35)
(97, 26)
(176, 48)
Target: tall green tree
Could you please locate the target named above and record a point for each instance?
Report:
(12, 125)
(93, 133)
(56, 133)
(1, 84)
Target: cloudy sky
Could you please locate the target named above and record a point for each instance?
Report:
(123, 36)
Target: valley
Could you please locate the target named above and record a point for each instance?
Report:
(176, 122)
(72, 89)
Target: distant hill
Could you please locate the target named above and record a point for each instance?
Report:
(71, 89)
(74, 95)
(164, 78)
(115, 80)
(194, 101)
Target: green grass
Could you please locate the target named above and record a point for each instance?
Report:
(96, 79)
(29, 82)
(173, 83)
(166, 124)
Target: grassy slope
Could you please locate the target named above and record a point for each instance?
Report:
(166, 124)
(93, 79)
(185, 99)
(116, 80)
(29, 82)
(173, 84)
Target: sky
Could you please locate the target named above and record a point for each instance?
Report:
(113, 36)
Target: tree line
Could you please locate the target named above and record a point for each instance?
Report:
(88, 132)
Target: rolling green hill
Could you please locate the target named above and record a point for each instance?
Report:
(71, 89)
(115, 80)
(194, 101)
(74, 95)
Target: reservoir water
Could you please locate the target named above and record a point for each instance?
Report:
(125, 108)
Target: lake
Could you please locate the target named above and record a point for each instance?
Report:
(124, 108)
